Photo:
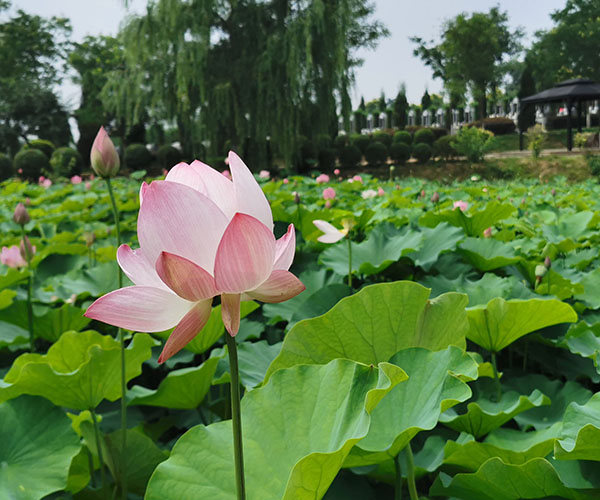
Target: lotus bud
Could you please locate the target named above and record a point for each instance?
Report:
(328, 204)
(104, 157)
(540, 270)
(296, 198)
(89, 238)
(336, 171)
(27, 250)
(21, 216)
(487, 233)
(553, 192)
(435, 197)
(547, 263)
(422, 193)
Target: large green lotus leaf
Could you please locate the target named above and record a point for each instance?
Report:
(314, 281)
(12, 276)
(557, 285)
(496, 480)
(433, 386)
(97, 281)
(513, 447)
(79, 370)
(591, 290)
(474, 223)
(501, 322)
(486, 254)
(384, 246)
(182, 389)
(437, 240)
(214, 328)
(580, 438)
(254, 359)
(584, 340)
(298, 429)
(38, 445)
(12, 334)
(6, 298)
(571, 226)
(374, 324)
(484, 415)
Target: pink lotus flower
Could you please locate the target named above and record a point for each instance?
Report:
(380, 191)
(358, 178)
(336, 171)
(44, 182)
(329, 193)
(286, 181)
(328, 204)
(264, 174)
(11, 257)
(323, 178)
(201, 235)
(487, 233)
(20, 170)
(88, 185)
(76, 179)
(332, 234)
(103, 156)
(463, 205)
(368, 194)
(227, 173)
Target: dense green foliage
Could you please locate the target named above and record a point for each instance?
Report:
(66, 162)
(424, 135)
(376, 153)
(30, 163)
(422, 152)
(400, 152)
(137, 157)
(473, 143)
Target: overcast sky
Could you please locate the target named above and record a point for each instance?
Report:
(384, 68)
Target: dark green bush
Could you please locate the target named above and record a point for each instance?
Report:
(383, 137)
(400, 152)
(403, 136)
(31, 163)
(322, 141)
(422, 152)
(66, 162)
(6, 168)
(376, 153)
(424, 136)
(439, 132)
(308, 155)
(137, 157)
(413, 129)
(341, 141)
(326, 159)
(444, 148)
(497, 126)
(168, 156)
(42, 145)
(593, 162)
(350, 156)
(361, 141)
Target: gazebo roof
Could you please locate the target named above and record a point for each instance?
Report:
(577, 89)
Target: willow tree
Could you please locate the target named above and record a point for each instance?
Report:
(244, 71)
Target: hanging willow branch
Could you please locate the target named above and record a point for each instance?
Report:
(242, 70)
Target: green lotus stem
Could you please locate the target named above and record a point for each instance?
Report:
(398, 487)
(121, 336)
(410, 473)
(29, 293)
(99, 448)
(349, 261)
(496, 378)
(236, 418)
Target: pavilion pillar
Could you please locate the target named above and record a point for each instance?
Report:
(579, 115)
(569, 126)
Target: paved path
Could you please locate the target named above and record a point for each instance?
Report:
(545, 152)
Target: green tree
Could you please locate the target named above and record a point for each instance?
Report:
(425, 101)
(32, 55)
(239, 71)
(527, 114)
(472, 52)
(570, 48)
(401, 108)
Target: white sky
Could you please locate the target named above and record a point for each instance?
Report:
(384, 68)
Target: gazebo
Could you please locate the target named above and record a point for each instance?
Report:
(571, 92)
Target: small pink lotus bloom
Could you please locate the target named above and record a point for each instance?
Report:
(165, 172)
(487, 233)
(201, 235)
(286, 181)
(328, 204)
(11, 257)
(553, 192)
(41, 179)
(380, 191)
(331, 234)
(329, 193)
(26, 249)
(264, 174)
(88, 185)
(337, 171)
(358, 178)
(21, 216)
(76, 179)
(46, 183)
(92, 177)
(20, 170)
(485, 190)
(422, 195)
(463, 205)
(368, 194)
(227, 174)
(435, 197)
(104, 157)
(323, 178)
(27, 201)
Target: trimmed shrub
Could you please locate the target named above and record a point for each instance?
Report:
(341, 141)
(168, 156)
(31, 162)
(593, 162)
(361, 141)
(350, 156)
(6, 169)
(322, 141)
(42, 145)
(326, 159)
(400, 152)
(497, 126)
(413, 129)
(383, 137)
(137, 157)
(403, 136)
(422, 152)
(376, 153)
(473, 143)
(439, 132)
(66, 162)
(535, 139)
(444, 148)
(424, 136)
